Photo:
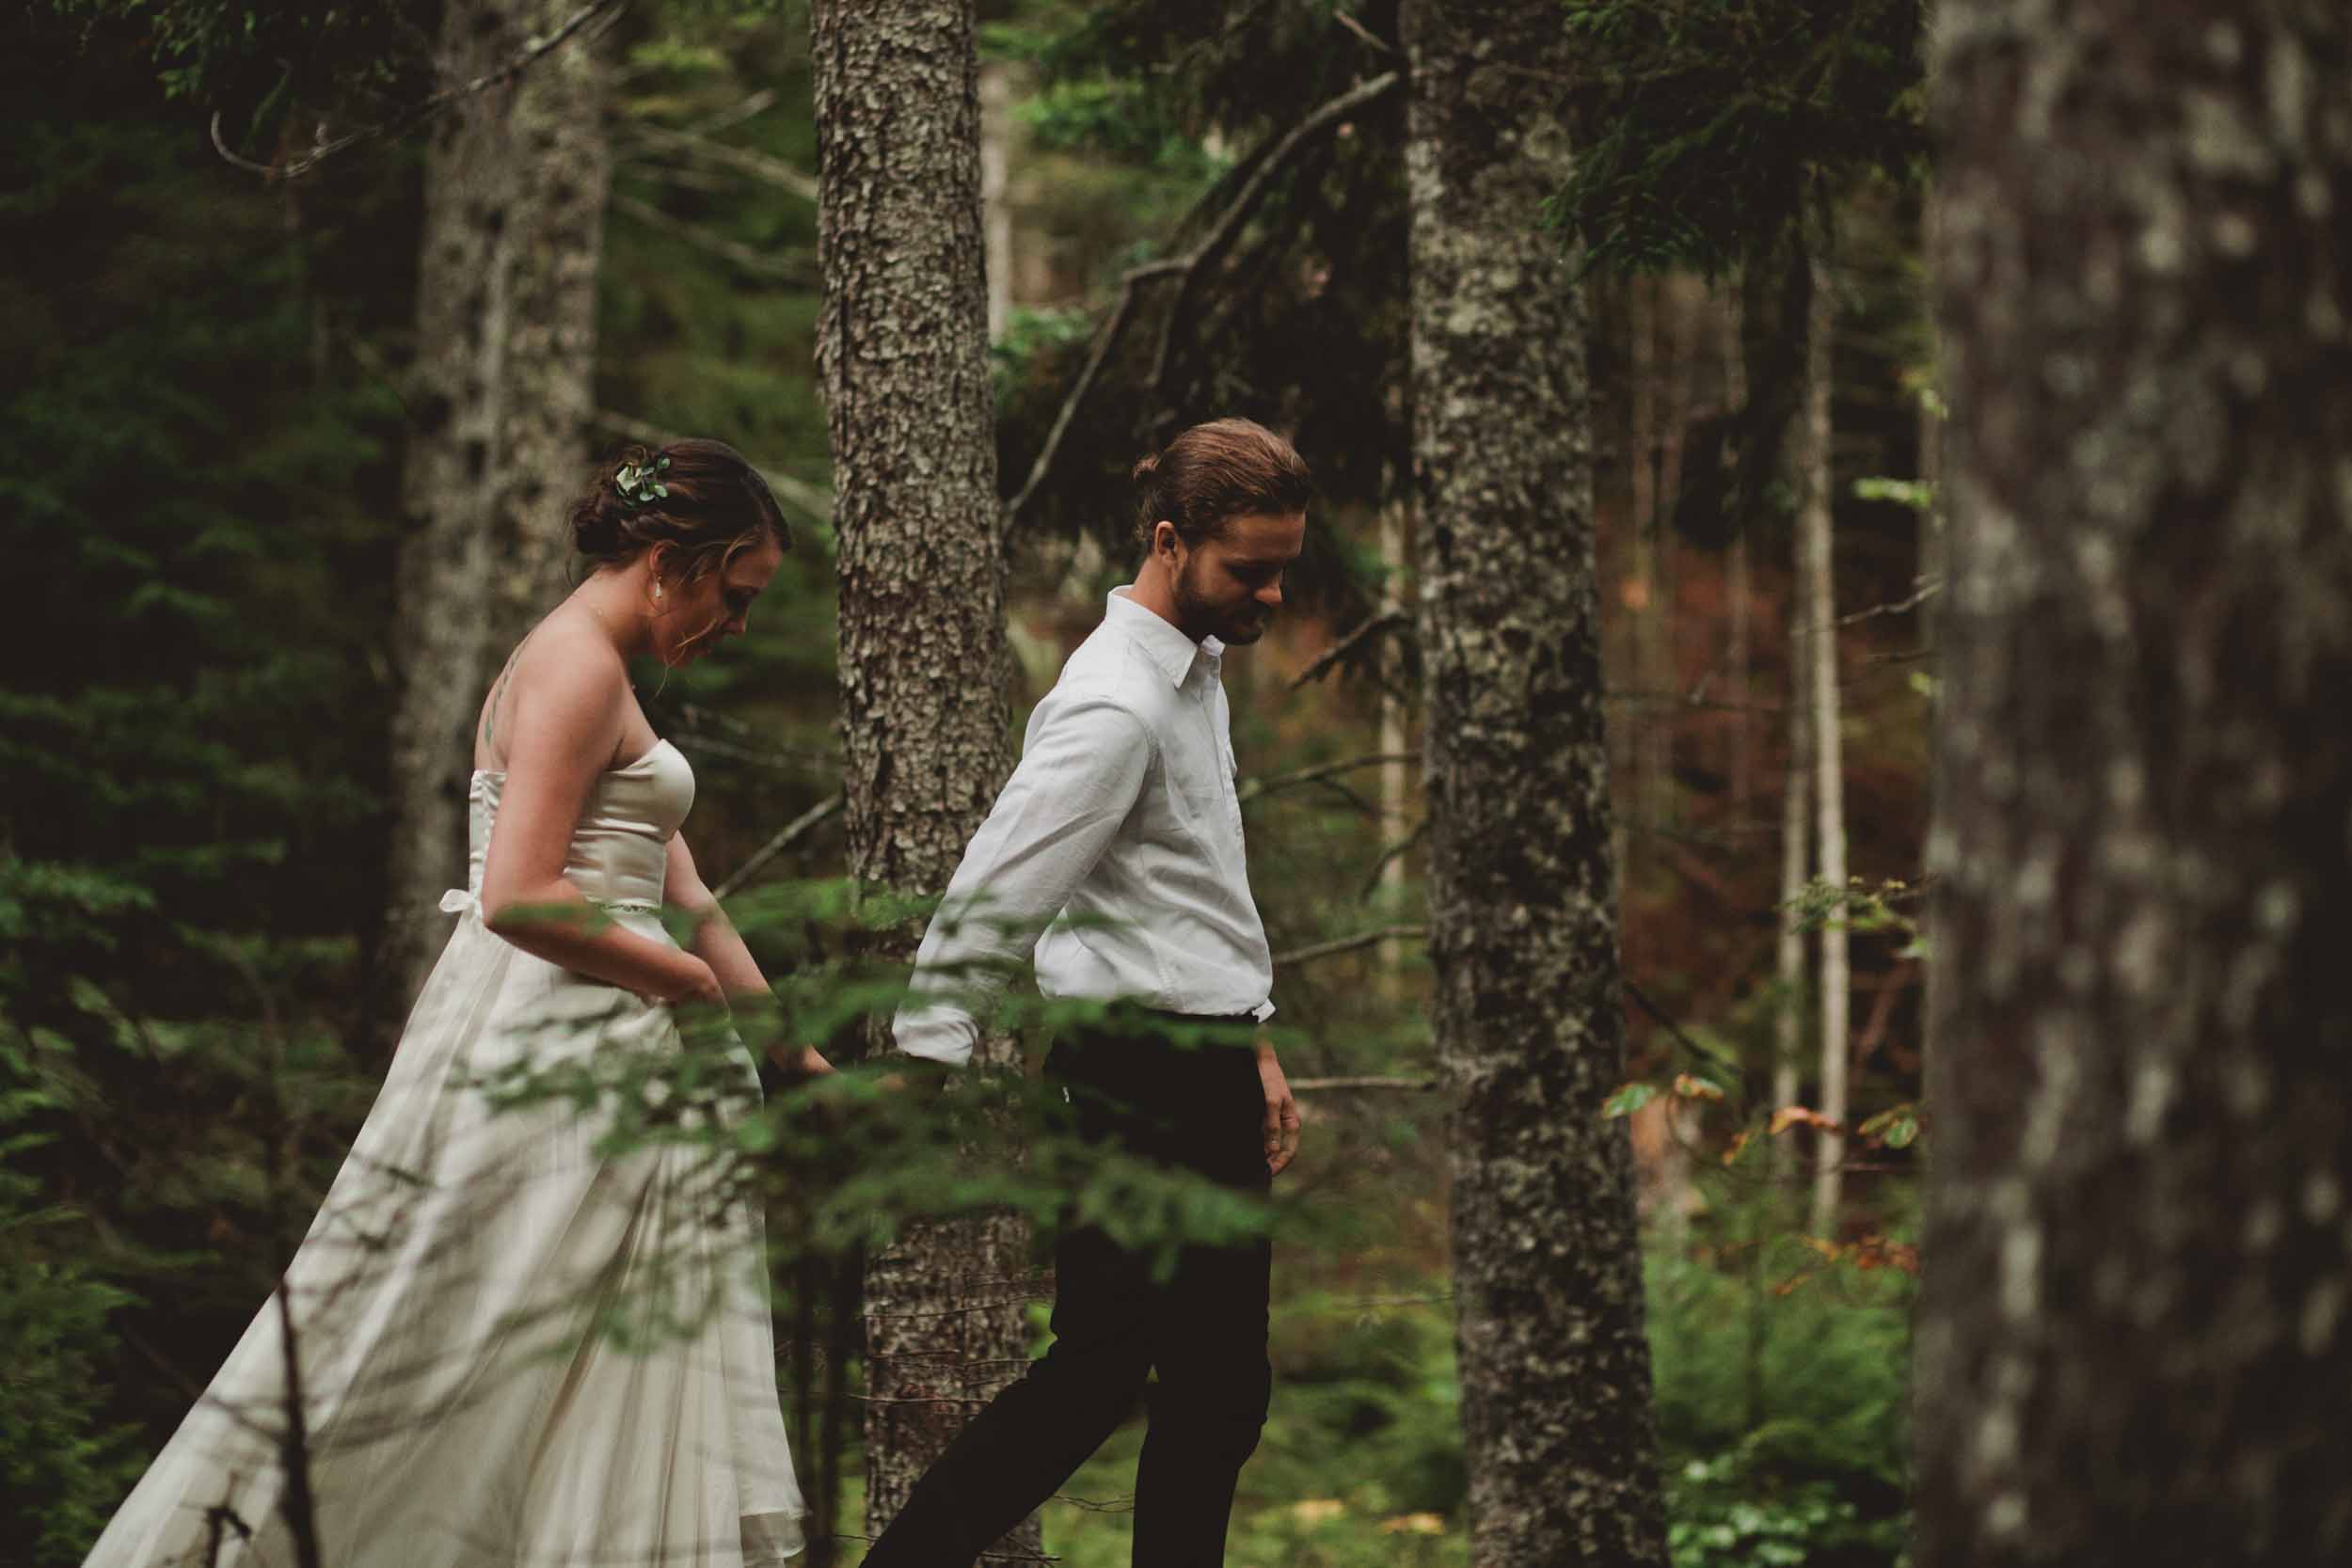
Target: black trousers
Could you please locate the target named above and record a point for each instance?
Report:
(1204, 1330)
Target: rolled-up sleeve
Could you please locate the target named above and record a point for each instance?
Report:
(1081, 771)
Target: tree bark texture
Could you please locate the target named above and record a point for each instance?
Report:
(2133, 1344)
(514, 182)
(1819, 591)
(546, 448)
(926, 725)
(1560, 1442)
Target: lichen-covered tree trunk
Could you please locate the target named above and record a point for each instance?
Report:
(557, 131)
(1560, 1440)
(926, 742)
(2135, 1340)
(442, 582)
(514, 182)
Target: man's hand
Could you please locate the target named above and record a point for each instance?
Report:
(1281, 1112)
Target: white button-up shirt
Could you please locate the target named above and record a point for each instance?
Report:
(1122, 827)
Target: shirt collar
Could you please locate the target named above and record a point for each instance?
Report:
(1169, 650)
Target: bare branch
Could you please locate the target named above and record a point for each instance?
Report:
(1105, 341)
(1401, 848)
(1641, 1000)
(1364, 33)
(742, 160)
(1385, 621)
(1252, 189)
(1321, 772)
(1926, 590)
(1310, 1086)
(1348, 945)
(1181, 268)
(411, 117)
(747, 257)
(728, 119)
(790, 833)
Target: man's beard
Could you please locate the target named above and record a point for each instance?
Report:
(1200, 616)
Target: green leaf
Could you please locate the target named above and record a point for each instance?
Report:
(1628, 1099)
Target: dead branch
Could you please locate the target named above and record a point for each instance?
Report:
(745, 161)
(1230, 223)
(1321, 772)
(1348, 945)
(402, 122)
(1386, 620)
(1181, 268)
(750, 259)
(1401, 848)
(1927, 590)
(790, 835)
(1309, 1085)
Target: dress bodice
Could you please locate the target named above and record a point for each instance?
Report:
(620, 847)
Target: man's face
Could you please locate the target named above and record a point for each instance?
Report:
(1229, 587)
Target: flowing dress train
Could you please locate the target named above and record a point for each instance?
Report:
(518, 1346)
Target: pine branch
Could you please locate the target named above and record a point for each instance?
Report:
(1181, 268)
(401, 123)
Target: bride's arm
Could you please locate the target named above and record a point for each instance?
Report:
(718, 943)
(565, 711)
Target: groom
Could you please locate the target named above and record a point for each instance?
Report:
(1122, 818)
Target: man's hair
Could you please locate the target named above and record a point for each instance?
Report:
(1224, 469)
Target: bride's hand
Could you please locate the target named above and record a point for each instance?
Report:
(699, 985)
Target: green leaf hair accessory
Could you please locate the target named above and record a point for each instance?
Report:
(642, 487)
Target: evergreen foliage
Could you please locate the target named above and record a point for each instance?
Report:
(1709, 130)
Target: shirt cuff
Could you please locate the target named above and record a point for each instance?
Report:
(937, 1033)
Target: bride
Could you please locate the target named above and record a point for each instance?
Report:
(511, 1343)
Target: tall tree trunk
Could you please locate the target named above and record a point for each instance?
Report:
(996, 181)
(558, 217)
(1673, 319)
(2136, 1332)
(1396, 784)
(514, 185)
(1560, 1442)
(1649, 710)
(1737, 588)
(904, 350)
(1820, 614)
(1796, 841)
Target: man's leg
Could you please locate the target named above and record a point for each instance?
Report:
(1208, 1344)
(1016, 1452)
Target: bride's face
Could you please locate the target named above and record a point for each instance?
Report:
(706, 613)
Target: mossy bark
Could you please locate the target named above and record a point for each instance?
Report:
(1560, 1440)
(926, 722)
(2135, 1340)
(498, 398)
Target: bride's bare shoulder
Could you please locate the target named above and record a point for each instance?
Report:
(566, 678)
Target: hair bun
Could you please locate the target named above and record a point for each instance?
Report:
(596, 526)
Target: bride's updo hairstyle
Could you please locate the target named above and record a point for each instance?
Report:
(1224, 469)
(717, 507)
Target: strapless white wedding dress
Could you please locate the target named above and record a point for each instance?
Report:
(516, 1347)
